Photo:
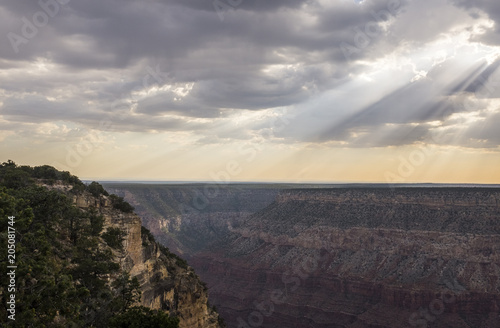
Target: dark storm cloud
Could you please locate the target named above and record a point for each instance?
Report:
(223, 59)
(116, 33)
(251, 5)
(491, 8)
(263, 54)
(36, 109)
(166, 103)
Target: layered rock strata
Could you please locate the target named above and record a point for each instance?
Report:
(355, 257)
(167, 283)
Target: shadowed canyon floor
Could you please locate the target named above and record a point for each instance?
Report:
(358, 256)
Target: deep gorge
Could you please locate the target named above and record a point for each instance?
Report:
(288, 256)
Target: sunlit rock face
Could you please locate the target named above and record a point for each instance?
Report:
(166, 284)
(353, 257)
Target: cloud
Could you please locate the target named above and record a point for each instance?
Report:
(478, 8)
(175, 66)
(249, 5)
(406, 115)
(487, 130)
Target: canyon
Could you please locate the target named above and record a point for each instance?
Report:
(343, 256)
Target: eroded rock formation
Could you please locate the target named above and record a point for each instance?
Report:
(167, 283)
(355, 257)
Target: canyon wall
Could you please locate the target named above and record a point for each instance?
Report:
(167, 282)
(346, 257)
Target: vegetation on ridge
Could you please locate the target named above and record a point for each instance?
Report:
(64, 259)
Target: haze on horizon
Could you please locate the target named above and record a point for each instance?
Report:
(252, 90)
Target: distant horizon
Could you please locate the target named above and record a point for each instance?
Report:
(308, 91)
(188, 182)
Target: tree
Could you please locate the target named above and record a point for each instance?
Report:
(127, 292)
(12, 177)
(44, 289)
(114, 238)
(96, 189)
(120, 204)
(142, 317)
(46, 172)
(67, 274)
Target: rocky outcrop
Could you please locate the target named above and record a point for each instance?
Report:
(352, 257)
(167, 282)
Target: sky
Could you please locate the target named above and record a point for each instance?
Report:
(396, 91)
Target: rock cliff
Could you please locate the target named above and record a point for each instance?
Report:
(167, 282)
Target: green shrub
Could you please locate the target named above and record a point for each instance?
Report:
(12, 177)
(63, 270)
(96, 223)
(45, 172)
(142, 317)
(114, 238)
(77, 189)
(96, 189)
(120, 204)
(147, 236)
